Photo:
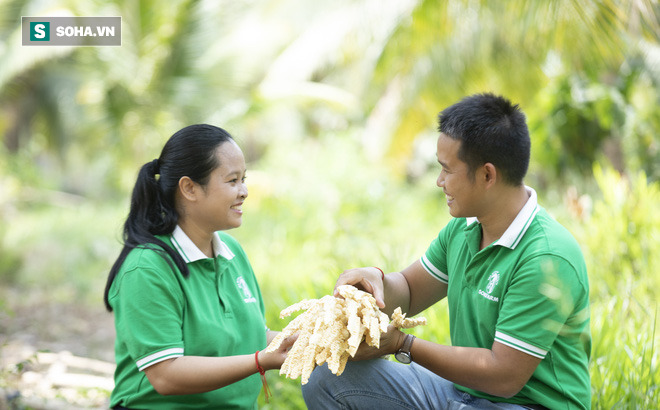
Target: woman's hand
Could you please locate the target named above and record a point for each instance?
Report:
(368, 279)
(275, 359)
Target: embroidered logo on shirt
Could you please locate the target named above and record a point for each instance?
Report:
(247, 295)
(493, 279)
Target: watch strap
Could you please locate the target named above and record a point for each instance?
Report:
(407, 344)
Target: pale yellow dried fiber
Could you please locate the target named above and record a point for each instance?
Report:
(399, 320)
(331, 329)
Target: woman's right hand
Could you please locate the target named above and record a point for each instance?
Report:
(367, 279)
(274, 360)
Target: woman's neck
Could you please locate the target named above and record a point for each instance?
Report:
(200, 237)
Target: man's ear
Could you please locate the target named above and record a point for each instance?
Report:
(188, 188)
(489, 174)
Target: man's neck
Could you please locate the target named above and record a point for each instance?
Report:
(506, 204)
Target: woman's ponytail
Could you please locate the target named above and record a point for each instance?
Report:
(152, 212)
(149, 215)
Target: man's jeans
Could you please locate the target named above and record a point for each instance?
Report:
(381, 384)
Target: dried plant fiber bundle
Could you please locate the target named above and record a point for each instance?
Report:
(331, 329)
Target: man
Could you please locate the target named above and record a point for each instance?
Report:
(515, 280)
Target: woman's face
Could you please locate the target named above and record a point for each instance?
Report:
(220, 205)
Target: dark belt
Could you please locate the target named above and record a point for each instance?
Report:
(534, 406)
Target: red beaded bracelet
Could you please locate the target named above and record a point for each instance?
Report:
(262, 372)
(382, 274)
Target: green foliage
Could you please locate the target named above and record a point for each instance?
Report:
(624, 259)
(9, 260)
(578, 120)
(573, 122)
(625, 358)
(63, 247)
(620, 243)
(625, 231)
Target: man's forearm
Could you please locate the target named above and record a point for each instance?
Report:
(501, 372)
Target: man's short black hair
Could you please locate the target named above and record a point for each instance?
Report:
(491, 129)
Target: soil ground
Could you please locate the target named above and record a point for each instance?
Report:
(27, 328)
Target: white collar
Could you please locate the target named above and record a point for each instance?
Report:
(191, 253)
(518, 227)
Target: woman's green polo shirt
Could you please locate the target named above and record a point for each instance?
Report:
(216, 311)
(530, 291)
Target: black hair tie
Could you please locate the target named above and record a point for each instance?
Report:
(155, 165)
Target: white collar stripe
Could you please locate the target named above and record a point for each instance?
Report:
(514, 233)
(191, 253)
(221, 248)
(524, 229)
(180, 249)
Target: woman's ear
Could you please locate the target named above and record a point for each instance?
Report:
(188, 189)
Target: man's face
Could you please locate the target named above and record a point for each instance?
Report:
(463, 197)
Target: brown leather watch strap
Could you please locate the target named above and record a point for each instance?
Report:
(407, 343)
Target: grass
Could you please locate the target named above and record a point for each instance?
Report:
(303, 225)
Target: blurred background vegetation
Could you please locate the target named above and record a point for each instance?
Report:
(334, 104)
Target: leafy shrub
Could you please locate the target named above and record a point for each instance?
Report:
(621, 240)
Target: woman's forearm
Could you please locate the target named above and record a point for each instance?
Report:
(196, 374)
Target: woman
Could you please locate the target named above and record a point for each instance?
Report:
(188, 310)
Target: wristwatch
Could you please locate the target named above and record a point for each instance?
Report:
(403, 355)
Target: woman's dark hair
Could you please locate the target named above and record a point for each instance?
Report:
(491, 129)
(189, 152)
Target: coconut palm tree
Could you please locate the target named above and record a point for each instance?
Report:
(392, 66)
(267, 68)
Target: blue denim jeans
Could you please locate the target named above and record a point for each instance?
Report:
(381, 384)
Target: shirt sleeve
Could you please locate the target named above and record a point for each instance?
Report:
(544, 299)
(435, 258)
(150, 309)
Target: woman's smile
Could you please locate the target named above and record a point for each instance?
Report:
(238, 208)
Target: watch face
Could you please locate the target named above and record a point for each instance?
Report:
(403, 357)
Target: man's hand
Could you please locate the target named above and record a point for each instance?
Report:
(390, 343)
(368, 279)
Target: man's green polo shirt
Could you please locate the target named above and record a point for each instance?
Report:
(159, 315)
(528, 290)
